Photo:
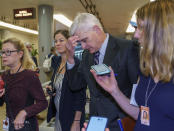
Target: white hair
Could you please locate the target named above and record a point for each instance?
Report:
(84, 21)
(27, 44)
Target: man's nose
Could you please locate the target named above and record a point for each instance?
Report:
(83, 45)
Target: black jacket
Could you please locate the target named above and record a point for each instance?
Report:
(70, 101)
(122, 56)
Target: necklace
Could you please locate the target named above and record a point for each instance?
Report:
(146, 95)
(58, 72)
(18, 69)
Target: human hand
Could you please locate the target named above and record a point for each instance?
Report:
(48, 87)
(75, 126)
(70, 45)
(85, 127)
(108, 83)
(49, 91)
(2, 92)
(37, 70)
(19, 120)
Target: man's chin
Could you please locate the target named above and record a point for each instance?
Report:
(91, 51)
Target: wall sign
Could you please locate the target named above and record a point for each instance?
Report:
(24, 13)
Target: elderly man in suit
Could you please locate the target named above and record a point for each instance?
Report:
(100, 47)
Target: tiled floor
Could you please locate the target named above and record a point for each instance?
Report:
(2, 115)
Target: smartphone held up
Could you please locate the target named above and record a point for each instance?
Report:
(97, 123)
(101, 69)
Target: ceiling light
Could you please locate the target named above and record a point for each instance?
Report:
(19, 28)
(62, 19)
(130, 28)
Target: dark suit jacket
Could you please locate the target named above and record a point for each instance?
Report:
(122, 56)
(70, 101)
(35, 60)
(1, 101)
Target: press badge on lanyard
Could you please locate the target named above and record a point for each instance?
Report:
(6, 124)
(145, 111)
(145, 116)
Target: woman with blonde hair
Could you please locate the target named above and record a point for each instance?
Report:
(22, 93)
(155, 90)
(26, 61)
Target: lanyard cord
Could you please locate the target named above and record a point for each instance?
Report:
(19, 68)
(146, 95)
(58, 72)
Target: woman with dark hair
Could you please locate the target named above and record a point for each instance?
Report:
(23, 92)
(66, 105)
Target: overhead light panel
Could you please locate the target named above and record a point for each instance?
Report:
(19, 28)
(130, 28)
(62, 19)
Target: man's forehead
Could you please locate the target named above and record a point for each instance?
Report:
(81, 34)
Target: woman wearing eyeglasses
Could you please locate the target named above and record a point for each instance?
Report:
(22, 93)
(66, 105)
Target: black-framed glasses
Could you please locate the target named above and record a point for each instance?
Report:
(7, 52)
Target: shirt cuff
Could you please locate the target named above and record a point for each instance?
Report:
(132, 100)
(69, 66)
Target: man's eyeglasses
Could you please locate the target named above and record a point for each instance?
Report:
(7, 52)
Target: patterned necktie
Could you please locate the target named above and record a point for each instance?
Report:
(96, 57)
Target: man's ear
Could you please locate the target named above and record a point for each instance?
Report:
(97, 29)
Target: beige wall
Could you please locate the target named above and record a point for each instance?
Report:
(24, 37)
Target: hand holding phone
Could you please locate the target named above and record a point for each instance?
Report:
(101, 69)
(97, 123)
(49, 90)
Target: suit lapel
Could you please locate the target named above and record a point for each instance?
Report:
(111, 50)
(89, 61)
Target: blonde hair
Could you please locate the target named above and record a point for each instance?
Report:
(27, 62)
(157, 54)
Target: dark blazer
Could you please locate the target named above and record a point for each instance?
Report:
(2, 101)
(122, 56)
(35, 60)
(70, 101)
